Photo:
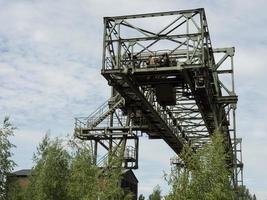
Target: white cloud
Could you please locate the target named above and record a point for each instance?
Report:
(50, 60)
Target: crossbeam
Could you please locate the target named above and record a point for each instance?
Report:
(166, 81)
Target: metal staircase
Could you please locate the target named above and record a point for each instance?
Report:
(102, 113)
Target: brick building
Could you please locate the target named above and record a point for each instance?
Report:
(129, 181)
(22, 176)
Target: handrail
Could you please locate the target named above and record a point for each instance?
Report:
(97, 115)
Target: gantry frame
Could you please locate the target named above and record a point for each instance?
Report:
(202, 78)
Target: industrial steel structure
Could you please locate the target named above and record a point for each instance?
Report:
(167, 82)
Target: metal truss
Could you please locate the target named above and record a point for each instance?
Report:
(174, 50)
(112, 130)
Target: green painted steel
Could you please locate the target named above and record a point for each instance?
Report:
(167, 82)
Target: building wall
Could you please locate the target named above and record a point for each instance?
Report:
(23, 182)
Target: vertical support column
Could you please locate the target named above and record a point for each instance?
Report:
(234, 121)
(104, 44)
(119, 44)
(202, 35)
(95, 152)
(113, 93)
(231, 114)
(239, 162)
(136, 151)
(187, 39)
(234, 149)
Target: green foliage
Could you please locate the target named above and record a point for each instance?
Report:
(82, 184)
(50, 173)
(110, 180)
(141, 197)
(156, 195)
(58, 174)
(15, 192)
(6, 163)
(244, 194)
(88, 182)
(206, 177)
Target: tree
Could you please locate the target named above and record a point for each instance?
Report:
(110, 178)
(89, 182)
(141, 197)
(58, 174)
(15, 192)
(156, 195)
(244, 194)
(50, 173)
(82, 184)
(6, 163)
(206, 175)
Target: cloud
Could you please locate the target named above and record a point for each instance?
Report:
(50, 62)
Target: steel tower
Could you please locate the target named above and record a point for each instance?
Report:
(167, 82)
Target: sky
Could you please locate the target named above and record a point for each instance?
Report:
(50, 61)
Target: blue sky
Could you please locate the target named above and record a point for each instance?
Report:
(50, 60)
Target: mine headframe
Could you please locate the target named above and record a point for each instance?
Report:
(167, 82)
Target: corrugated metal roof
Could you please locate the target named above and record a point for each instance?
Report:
(23, 172)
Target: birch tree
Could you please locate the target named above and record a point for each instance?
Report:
(6, 162)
